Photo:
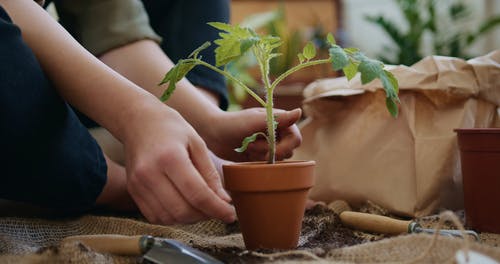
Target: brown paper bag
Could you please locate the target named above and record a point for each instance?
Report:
(410, 164)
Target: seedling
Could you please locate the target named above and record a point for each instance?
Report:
(234, 41)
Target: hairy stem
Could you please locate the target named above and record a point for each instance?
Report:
(271, 133)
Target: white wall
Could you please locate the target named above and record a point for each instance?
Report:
(370, 38)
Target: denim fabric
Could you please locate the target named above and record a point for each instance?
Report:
(48, 157)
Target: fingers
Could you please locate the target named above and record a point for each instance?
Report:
(188, 181)
(311, 203)
(202, 160)
(149, 206)
(289, 139)
(287, 118)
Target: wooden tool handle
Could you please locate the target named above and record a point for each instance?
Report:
(113, 244)
(374, 223)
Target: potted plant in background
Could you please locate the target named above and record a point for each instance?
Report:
(270, 197)
(444, 21)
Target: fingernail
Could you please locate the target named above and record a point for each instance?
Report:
(233, 217)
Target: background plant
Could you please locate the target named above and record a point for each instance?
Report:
(235, 41)
(444, 20)
(274, 23)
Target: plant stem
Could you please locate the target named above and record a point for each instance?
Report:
(229, 76)
(271, 133)
(296, 68)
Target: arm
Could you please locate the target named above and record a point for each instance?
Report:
(131, 49)
(169, 172)
(144, 63)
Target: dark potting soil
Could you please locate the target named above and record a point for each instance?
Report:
(322, 231)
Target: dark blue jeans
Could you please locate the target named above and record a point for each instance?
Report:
(47, 156)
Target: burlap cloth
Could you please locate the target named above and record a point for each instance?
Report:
(323, 240)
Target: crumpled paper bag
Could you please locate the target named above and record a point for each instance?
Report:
(410, 164)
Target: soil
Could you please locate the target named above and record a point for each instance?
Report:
(321, 232)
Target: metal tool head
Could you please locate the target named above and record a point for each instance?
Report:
(161, 251)
(416, 228)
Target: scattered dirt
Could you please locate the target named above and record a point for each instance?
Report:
(322, 228)
(321, 231)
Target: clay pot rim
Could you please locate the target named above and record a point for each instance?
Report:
(287, 163)
(486, 130)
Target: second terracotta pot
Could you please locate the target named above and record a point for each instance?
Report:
(480, 161)
(270, 201)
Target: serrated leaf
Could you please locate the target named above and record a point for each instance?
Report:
(270, 43)
(229, 48)
(392, 106)
(246, 44)
(221, 26)
(350, 70)
(233, 43)
(179, 71)
(247, 141)
(301, 57)
(331, 39)
(169, 77)
(339, 57)
(194, 54)
(370, 69)
(309, 51)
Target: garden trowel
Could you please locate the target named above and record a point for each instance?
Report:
(154, 250)
(386, 225)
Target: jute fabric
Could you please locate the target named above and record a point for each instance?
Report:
(37, 240)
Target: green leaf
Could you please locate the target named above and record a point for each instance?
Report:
(229, 48)
(247, 141)
(270, 43)
(221, 26)
(370, 69)
(301, 57)
(246, 44)
(233, 43)
(173, 76)
(194, 54)
(393, 80)
(350, 70)
(331, 39)
(392, 106)
(339, 57)
(351, 50)
(309, 51)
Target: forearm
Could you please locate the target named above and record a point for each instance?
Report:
(145, 64)
(80, 78)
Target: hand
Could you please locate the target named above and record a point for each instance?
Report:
(230, 128)
(114, 194)
(170, 174)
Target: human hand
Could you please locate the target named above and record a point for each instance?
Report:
(170, 175)
(230, 128)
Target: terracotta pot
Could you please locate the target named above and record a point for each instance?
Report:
(480, 160)
(270, 201)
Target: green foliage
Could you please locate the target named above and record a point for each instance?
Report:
(235, 41)
(426, 16)
(178, 72)
(340, 59)
(247, 141)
